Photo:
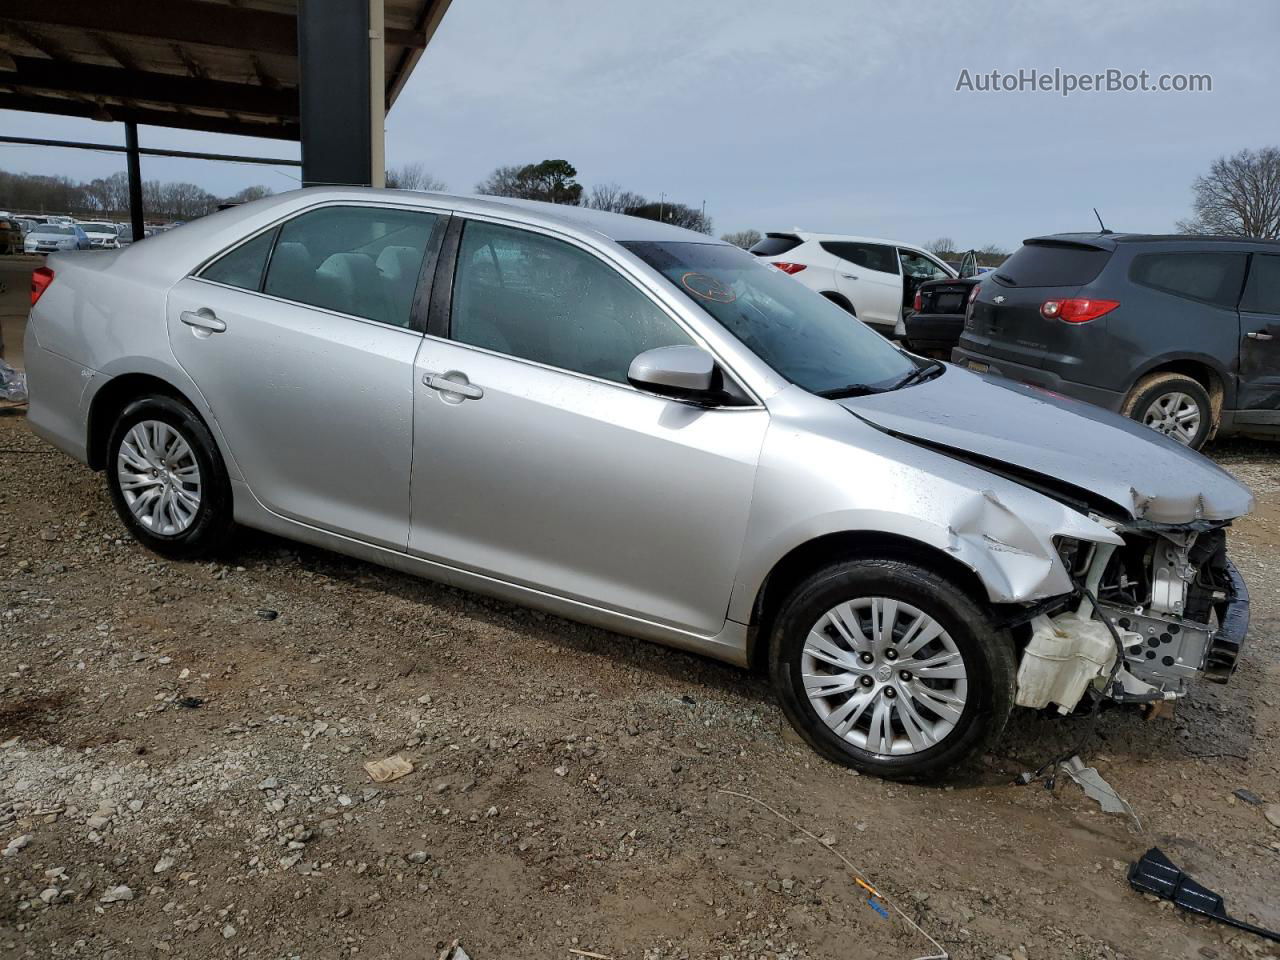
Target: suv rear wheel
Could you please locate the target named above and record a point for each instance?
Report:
(889, 668)
(1175, 405)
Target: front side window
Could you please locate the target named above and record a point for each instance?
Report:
(873, 256)
(362, 261)
(919, 267)
(541, 299)
(243, 266)
(1262, 292)
(799, 333)
(1212, 277)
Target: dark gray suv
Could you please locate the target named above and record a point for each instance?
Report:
(1181, 333)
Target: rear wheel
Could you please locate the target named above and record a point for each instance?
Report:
(167, 480)
(1175, 405)
(889, 668)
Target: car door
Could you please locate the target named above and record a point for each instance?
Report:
(869, 277)
(1258, 393)
(306, 360)
(536, 463)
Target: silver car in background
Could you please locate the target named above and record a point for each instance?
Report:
(642, 428)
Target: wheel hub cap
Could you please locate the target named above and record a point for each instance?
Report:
(907, 697)
(1175, 415)
(159, 477)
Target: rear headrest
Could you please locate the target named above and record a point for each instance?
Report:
(399, 263)
(349, 282)
(291, 272)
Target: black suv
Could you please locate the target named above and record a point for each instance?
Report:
(1181, 333)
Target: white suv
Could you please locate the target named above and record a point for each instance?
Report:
(873, 279)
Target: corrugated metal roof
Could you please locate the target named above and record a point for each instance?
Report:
(226, 66)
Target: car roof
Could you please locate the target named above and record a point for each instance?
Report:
(808, 235)
(615, 226)
(1109, 241)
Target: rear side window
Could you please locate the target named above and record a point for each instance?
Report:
(1211, 277)
(1262, 292)
(362, 261)
(873, 256)
(1053, 265)
(243, 266)
(775, 244)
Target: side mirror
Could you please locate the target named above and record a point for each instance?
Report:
(681, 372)
(969, 265)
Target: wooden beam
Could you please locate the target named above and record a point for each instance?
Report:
(183, 21)
(33, 103)
(76, 78)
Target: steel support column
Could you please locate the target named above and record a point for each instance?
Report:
(337, 93)
(134, 163)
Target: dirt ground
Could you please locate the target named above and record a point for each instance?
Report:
(187, 770)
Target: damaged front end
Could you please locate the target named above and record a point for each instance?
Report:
(1171, 607)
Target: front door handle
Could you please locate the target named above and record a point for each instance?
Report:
(1256, 335)
(204, 320)
(453, 384)
(849, 276)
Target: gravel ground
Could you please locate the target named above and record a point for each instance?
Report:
(181, 751)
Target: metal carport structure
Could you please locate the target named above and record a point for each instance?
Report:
(322, 72)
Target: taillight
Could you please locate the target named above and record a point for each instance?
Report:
(973, 294)
(41, 277)
(789, 267)
(1076, 309)
(918, 305)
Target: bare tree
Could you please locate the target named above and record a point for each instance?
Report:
(551, 181)
(256, 192)
(941, 247)
(746, 239)
(611, 197)
(1239, 196)
(414, 176)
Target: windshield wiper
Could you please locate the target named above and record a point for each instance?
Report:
(919, 374)
(848, 390)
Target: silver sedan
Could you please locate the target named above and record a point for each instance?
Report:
(639, 427)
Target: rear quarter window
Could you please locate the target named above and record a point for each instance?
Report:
(873, 256)
(1210, 277)
(775, 244)
(1052, 265)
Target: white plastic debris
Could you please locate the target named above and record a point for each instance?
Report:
(1096, 788)
(13, 384)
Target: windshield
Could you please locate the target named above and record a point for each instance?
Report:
(56, 231)
(799, 333)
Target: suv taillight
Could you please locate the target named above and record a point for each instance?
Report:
(41, 277)
(789, 267)
(973, 294)
(918, 302)
(1076, 309)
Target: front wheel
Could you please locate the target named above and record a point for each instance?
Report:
(167, 480)
(887, 667)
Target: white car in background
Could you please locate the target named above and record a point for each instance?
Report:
(102, 236)
(873, 279)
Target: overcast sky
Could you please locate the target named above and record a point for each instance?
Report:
(838, 116)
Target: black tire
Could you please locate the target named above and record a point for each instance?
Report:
(987, 655)
(1151, 389)
(212, 523)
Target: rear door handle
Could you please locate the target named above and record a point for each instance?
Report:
(203, 319)
(1255, 335)
(454, 383)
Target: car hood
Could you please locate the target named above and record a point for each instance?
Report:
(1058, 444)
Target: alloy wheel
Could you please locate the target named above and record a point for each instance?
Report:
(1174, 414)
(884, 676)
(159, 477)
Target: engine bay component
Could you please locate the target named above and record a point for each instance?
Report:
(1065, 655)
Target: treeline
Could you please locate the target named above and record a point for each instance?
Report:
(107, 198)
